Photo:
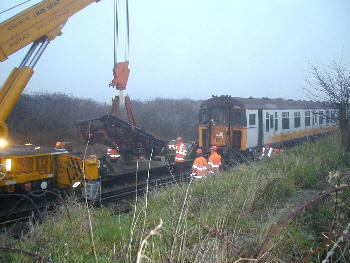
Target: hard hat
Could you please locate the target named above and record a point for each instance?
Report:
(268, 143)
(58, 144)
(199, 150)
(179, 138)
(214, 148)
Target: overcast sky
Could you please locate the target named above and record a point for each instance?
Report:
(193, 48)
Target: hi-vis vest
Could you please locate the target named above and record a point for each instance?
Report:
(199, 168)
(180, 152)
(214, 162)
(269, 151)
(112, 153)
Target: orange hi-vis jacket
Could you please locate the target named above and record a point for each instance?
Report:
(214, 162)
(199, 168)
(112, 153)
(181, 152)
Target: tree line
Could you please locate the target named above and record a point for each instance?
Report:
(45, 118)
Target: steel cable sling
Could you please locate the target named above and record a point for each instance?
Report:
(116, 31)
(121, 70)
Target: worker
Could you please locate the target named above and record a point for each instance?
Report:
(59, 145)
(277, 151)
(112, 153)
(214, 162)
(180, 154)
(199, 167)
(267, 150)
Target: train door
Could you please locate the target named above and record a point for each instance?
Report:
(260, 133)
(203, 129)
(203, 137)
(218, 126)
(236, 139)
(238, 128)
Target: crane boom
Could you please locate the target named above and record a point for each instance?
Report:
(44, 20)
(40, 23)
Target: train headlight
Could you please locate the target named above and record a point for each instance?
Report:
(76, 184)
(8, 164)
(3, 143)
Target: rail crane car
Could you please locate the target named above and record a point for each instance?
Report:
(29, 167)
(245, 124)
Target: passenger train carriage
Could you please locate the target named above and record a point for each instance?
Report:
(233, 123)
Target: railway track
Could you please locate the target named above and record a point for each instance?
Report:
(20, 208)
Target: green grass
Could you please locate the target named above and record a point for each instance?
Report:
(243, 204)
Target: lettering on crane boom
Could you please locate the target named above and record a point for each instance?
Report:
(17, 23)
(39, 12)
(52, 19)
(49, 6)
(53, 4)
(19, 39)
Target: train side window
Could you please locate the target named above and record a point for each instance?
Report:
(296, 119)
(252, 119)
(271, 121)
(307, 118)
(314, 118)
(285, 120)
(333, 118)
(267, 122)
(327, 116)
(276, 121)
(320, 114)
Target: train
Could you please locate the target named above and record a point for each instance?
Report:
(235, 124)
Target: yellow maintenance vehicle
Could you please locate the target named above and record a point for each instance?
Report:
(29, 167)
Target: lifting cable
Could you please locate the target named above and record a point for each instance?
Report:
(121, 70)
(127, 32)
(116, 31)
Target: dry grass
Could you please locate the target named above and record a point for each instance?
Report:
(224, 218)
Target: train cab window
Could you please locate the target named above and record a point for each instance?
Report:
(320, 115)
(276, 121)
(238, 118)
(267, 122)
(202, 117)
(252, 119)
(217, 116)
(296, 119)
(285, 120)
(307, 118)
(327, 116)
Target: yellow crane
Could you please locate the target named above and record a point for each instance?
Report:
(28, 168)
